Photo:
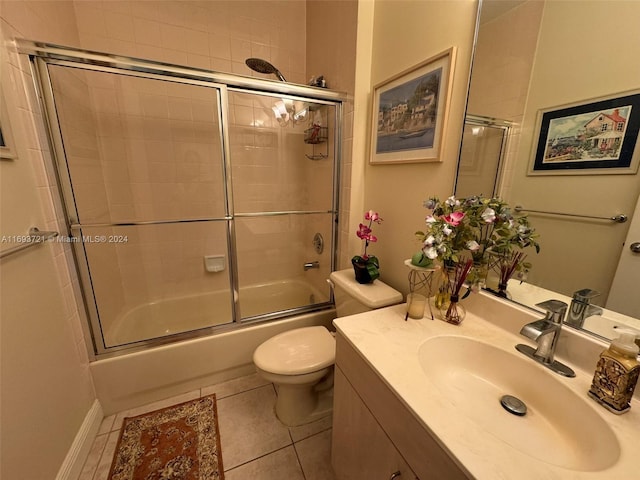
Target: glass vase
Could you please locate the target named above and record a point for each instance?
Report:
(453, 311)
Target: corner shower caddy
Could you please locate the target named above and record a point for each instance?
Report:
(317, 135)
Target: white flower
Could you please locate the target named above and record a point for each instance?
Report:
(431, 253)
(429, 241)
(452, 202)
(489, 215)
(430, 219)
(473, 245)
(447, 230)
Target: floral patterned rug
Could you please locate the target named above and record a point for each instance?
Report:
(181, 442)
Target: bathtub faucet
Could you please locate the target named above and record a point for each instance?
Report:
(310, 265)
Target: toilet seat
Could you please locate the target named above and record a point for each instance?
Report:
(297, 352)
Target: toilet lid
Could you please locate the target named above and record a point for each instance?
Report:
(296, 352)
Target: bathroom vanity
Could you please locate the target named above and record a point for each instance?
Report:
(421, 399)
(375, 435)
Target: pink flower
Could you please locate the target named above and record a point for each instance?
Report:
(364, 231)
(372, 216)
(454, 218)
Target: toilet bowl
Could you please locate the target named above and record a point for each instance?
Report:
(300, 362)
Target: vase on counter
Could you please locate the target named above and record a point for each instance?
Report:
(448, 298)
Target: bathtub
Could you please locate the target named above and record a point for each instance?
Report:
(192, 312)
(145, 376)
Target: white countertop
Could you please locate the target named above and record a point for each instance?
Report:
(390, 345)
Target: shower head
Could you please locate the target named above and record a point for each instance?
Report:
(262, 66)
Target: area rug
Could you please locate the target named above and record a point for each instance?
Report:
(181, 442)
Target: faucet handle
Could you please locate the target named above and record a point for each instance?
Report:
(585, 295)
(555, 309)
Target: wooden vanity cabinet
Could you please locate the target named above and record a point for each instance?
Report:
(360, 447)
(374, 433)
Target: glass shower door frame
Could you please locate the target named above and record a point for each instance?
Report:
(43, 55)
(74, 226)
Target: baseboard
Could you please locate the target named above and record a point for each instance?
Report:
(77, 454)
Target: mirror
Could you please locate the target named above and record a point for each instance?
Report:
(533, 56)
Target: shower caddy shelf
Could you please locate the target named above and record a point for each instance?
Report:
(317, 135)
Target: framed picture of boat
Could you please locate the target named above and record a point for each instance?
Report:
(410, 112)
(597, 136)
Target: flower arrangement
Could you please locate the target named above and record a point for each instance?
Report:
(366, 266)
(473, 227)
(474, 232)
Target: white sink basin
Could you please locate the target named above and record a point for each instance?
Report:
(559, 428)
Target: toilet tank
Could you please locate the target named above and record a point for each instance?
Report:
(352, 297)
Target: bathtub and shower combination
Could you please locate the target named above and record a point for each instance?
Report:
(201, 208)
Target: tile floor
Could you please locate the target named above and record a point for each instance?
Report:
(255, 445)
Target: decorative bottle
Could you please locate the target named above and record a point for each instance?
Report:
(617, 374)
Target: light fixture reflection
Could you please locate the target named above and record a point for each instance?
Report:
(286, 110)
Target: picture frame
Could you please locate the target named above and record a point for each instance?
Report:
(594, 137)
(410, 112)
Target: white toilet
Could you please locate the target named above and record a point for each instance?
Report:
(300, 361)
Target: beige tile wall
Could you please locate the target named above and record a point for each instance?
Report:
(331, 51)
(216, 35)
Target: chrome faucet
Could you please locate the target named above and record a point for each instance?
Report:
(581, 307)
(545, 333)
(310, 265)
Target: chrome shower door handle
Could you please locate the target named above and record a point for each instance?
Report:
(635, 247)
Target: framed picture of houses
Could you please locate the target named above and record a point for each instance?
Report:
(410, 112)
(594, 137)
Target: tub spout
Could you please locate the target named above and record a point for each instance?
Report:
(310, 265)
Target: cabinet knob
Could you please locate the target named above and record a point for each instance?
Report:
(395, 475)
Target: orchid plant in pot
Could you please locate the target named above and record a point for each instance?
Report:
(365, 266)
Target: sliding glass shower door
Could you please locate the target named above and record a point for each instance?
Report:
(283, 199)
(192, 206)
(145, 164)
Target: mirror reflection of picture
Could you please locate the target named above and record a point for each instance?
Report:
(590, 136)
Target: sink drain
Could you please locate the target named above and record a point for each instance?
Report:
(514, 405)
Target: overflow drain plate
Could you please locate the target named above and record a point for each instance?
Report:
(514, 405)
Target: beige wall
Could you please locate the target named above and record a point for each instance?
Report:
(45, 381)
(406, 33)
(555, 82)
